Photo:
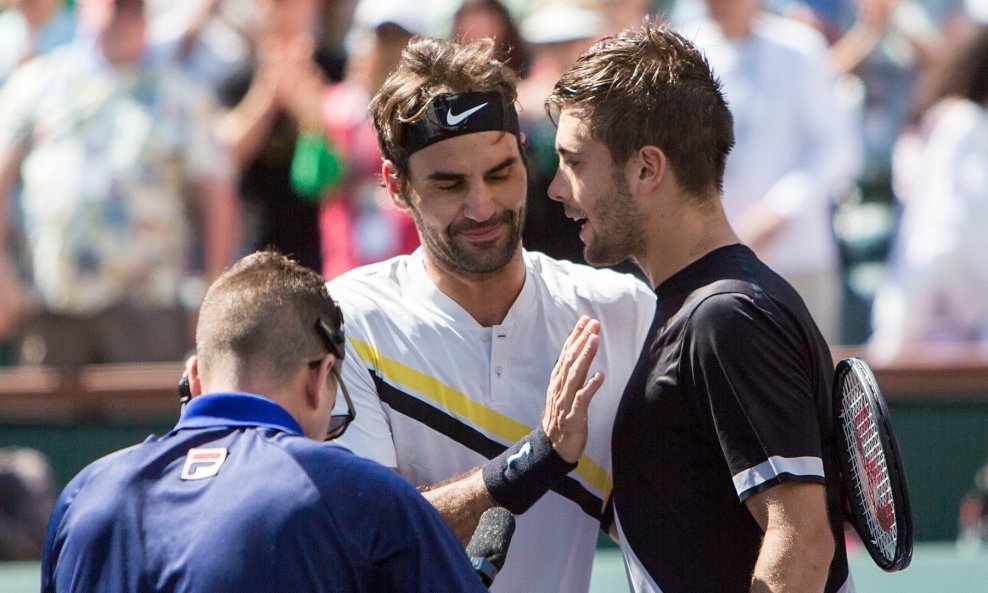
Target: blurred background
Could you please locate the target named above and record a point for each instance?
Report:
(145, 144)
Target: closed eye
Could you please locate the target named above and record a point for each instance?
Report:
(450, 186)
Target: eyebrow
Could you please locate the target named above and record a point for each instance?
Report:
(448, 176)
(563, 151)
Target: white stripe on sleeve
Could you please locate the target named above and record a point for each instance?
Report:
(774, 467)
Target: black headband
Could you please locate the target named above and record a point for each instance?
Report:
(449, 115)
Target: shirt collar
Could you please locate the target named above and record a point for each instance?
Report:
(423, 283)
(236, 409)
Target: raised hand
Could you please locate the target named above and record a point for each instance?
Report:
(11, 299)
(565, 419)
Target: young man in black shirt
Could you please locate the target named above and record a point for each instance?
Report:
(724, 466)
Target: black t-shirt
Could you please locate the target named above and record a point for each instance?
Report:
(276, 215)
(731, 395)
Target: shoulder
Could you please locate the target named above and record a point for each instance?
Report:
(180, 87)
(112, 466)
(958, 118)
(722, 308)
(565, 279)
(38, 71)
(792, 37)
(368, 287)
(336, 473)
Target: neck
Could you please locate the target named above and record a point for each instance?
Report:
(486, 297)
(683, 235)
(736, 26)
(37, 14)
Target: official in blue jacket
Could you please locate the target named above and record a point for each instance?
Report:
(242, 495)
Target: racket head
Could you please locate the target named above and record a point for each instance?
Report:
(873, 480)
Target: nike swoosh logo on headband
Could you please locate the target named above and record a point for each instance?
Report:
(455, 120)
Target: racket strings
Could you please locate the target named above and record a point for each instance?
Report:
(872, 485)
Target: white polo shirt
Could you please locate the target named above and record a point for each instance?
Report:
(437, 394)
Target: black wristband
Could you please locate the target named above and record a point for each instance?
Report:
(520, 476)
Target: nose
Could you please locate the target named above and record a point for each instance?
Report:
(479, 205)
(559, 189)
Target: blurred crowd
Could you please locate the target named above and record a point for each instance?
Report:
(144, 144)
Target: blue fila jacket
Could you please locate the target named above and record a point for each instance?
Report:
(235, 499)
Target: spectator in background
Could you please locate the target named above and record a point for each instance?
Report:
(275, 112)
(26, 499)
(480, 19)
(973, 514)
(937, 276)
(30, 28)
(629, 14)
(358, 224)
(557, 31)
(107, 139)
(209, 38)
(885, 43)
(795, 145)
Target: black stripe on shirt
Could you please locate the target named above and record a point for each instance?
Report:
(473, 439)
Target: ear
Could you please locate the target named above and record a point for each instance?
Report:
(315, 379)
(392, 183)
(195, 380)
(649, 169)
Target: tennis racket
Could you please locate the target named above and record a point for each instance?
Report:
(873, 479)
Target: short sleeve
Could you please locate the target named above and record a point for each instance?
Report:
(206, 158)
(18, 97)
(751, 376)
(369, 435)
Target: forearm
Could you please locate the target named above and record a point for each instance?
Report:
(798, 545)
(852, 49)
(221, 225)
(793, 562)
(11, 291)
(9, 164)
(461, 501)
(244, 128)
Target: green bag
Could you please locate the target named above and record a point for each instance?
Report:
(316, 167)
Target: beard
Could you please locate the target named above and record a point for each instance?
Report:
(617, 227)
(473, 259)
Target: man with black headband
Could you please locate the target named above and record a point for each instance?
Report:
(236, 498)
(453, 347)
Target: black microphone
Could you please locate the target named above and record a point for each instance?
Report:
(488, 547)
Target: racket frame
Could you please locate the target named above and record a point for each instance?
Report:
(873, 398)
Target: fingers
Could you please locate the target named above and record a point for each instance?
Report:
(574, 336)
(577, 364)
(570, 392)
(581, 402)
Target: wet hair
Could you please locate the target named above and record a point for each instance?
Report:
(651, 87)
(430, 67)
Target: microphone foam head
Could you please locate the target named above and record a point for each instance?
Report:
(492, 536)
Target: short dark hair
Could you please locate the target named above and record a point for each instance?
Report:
(428, 68)
(261, 315)
(651, 87)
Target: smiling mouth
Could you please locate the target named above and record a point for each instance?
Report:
(481, 234)
(576, 215)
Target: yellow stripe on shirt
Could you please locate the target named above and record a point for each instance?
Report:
(461, 405)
